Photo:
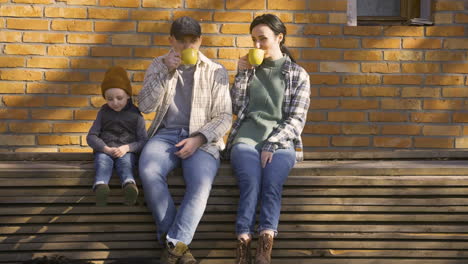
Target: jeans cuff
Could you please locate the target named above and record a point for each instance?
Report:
(97, 183)
(262, 228)
(128, 181)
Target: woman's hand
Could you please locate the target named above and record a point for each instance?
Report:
(266, 157)
(243, 63)
(172, 60)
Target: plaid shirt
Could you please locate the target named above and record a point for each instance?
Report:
(211, 113)
(295, 106)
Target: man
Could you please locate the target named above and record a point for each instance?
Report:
(193, 112)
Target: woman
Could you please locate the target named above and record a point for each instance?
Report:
(271, 103)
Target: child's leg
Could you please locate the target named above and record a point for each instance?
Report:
(125, 167)
(104, 165)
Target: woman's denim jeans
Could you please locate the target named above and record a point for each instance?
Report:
(104, 166)
(156, 161)
(257, 184)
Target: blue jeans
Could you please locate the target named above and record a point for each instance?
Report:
(104, 166)
(199, 170)
(257, 184)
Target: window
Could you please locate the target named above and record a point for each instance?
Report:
(389, 12)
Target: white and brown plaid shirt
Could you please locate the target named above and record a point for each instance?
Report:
(211, 112)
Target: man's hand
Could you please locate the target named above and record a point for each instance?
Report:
(172, 60)
(243, 63)
(266, 157)
(189, 146)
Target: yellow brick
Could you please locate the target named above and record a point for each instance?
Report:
(433, 104)
(44, 37)
(461, 143)
(311, 18)
(445, 55)
(105, 26)
(315, 141)
(363, 30)
(380, 67)
(49, 63)
(24, 49)
(230, 65)
(346, 116)
(430, 117)
(52, 114)
(235, 29)
(339, 67)
(414, 43)
(2, 23)
(75, 150)
(150, 52)
(107, 13)
(444, 80)
(96, 76)
(403, 55)
(309, 66)
(11, 140)
(197, 15)
(67, 51)
(159, 27)
(11, 62)
(360, 129)
(22, 127)
(341, 43)
(420, 67)
(134, 64)
(72, 25)
(294, 29)
(20, 11)
(392, 142)
(384, 43)
(361, 79)
(58, 140)
(65, 12)
(11, 87)
(91, 63)
(359, 104)
(285, 17)
(138, 77)
(320, 30)
(445, 31)
(3, 129)
(61, 101)
(150, 15)
(85, 114)
(339, 91)
(448, 5)
(81, 89)
(47, 88)
(328, 5)
(232, 53)
(455, 43)
(75, 127)
(401, 104)
(209, 28)
(387, 117)
(88, 38)
(379, 91)
(131, 39)
(13, 114)
(120, 3)
(436, 142)
(402, 79)
(323, 103)
(239, 4)
(455, 67)
(455, 92)
(420, 92)
(362, 55)
(218, 41)
(442, 130)
(204, 4)
(300, 42)
(401, 130)
(322, 129)
(162, 3)
(97, 101)
(20, 75)
(233, 17)
(111, 52)
(243, 42)
(350, 141)
(65, 76)
(460, 117)
(314, 116)
(322, 54)
(443, 18)
(33, 1)
(403, 31)
(28, 24)
(461, 18)
(79, 2)
(287, 4)
(337, 18)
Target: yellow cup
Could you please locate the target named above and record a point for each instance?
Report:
(256, 56)
(189, 56)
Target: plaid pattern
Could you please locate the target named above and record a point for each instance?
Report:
(295, 106)
(211, 113)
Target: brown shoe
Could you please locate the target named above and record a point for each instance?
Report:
(264, 247)
(130, 193)
(102, 194)
(187, 258)
(244, 255)
(171, 254)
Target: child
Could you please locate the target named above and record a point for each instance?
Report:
(117, 135)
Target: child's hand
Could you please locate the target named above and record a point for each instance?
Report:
(121, 151)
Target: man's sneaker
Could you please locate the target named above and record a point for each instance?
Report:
(102, 193)
(171, 254)
(130, 193)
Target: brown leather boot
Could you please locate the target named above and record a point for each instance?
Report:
(187, 258)
(171, 254)
(243, 252)
(264, 247)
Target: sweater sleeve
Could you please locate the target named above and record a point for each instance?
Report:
(141, 135)
(93, 138)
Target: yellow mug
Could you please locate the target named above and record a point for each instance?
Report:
(256, 56)
(189, 56)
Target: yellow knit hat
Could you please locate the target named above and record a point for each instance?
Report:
(116, 77)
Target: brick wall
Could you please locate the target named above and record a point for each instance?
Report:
(374, 87)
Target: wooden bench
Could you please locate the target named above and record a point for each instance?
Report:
(334, 211)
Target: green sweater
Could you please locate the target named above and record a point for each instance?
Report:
(265, 91)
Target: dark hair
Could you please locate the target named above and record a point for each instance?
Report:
(185, 26)
(276, 25)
